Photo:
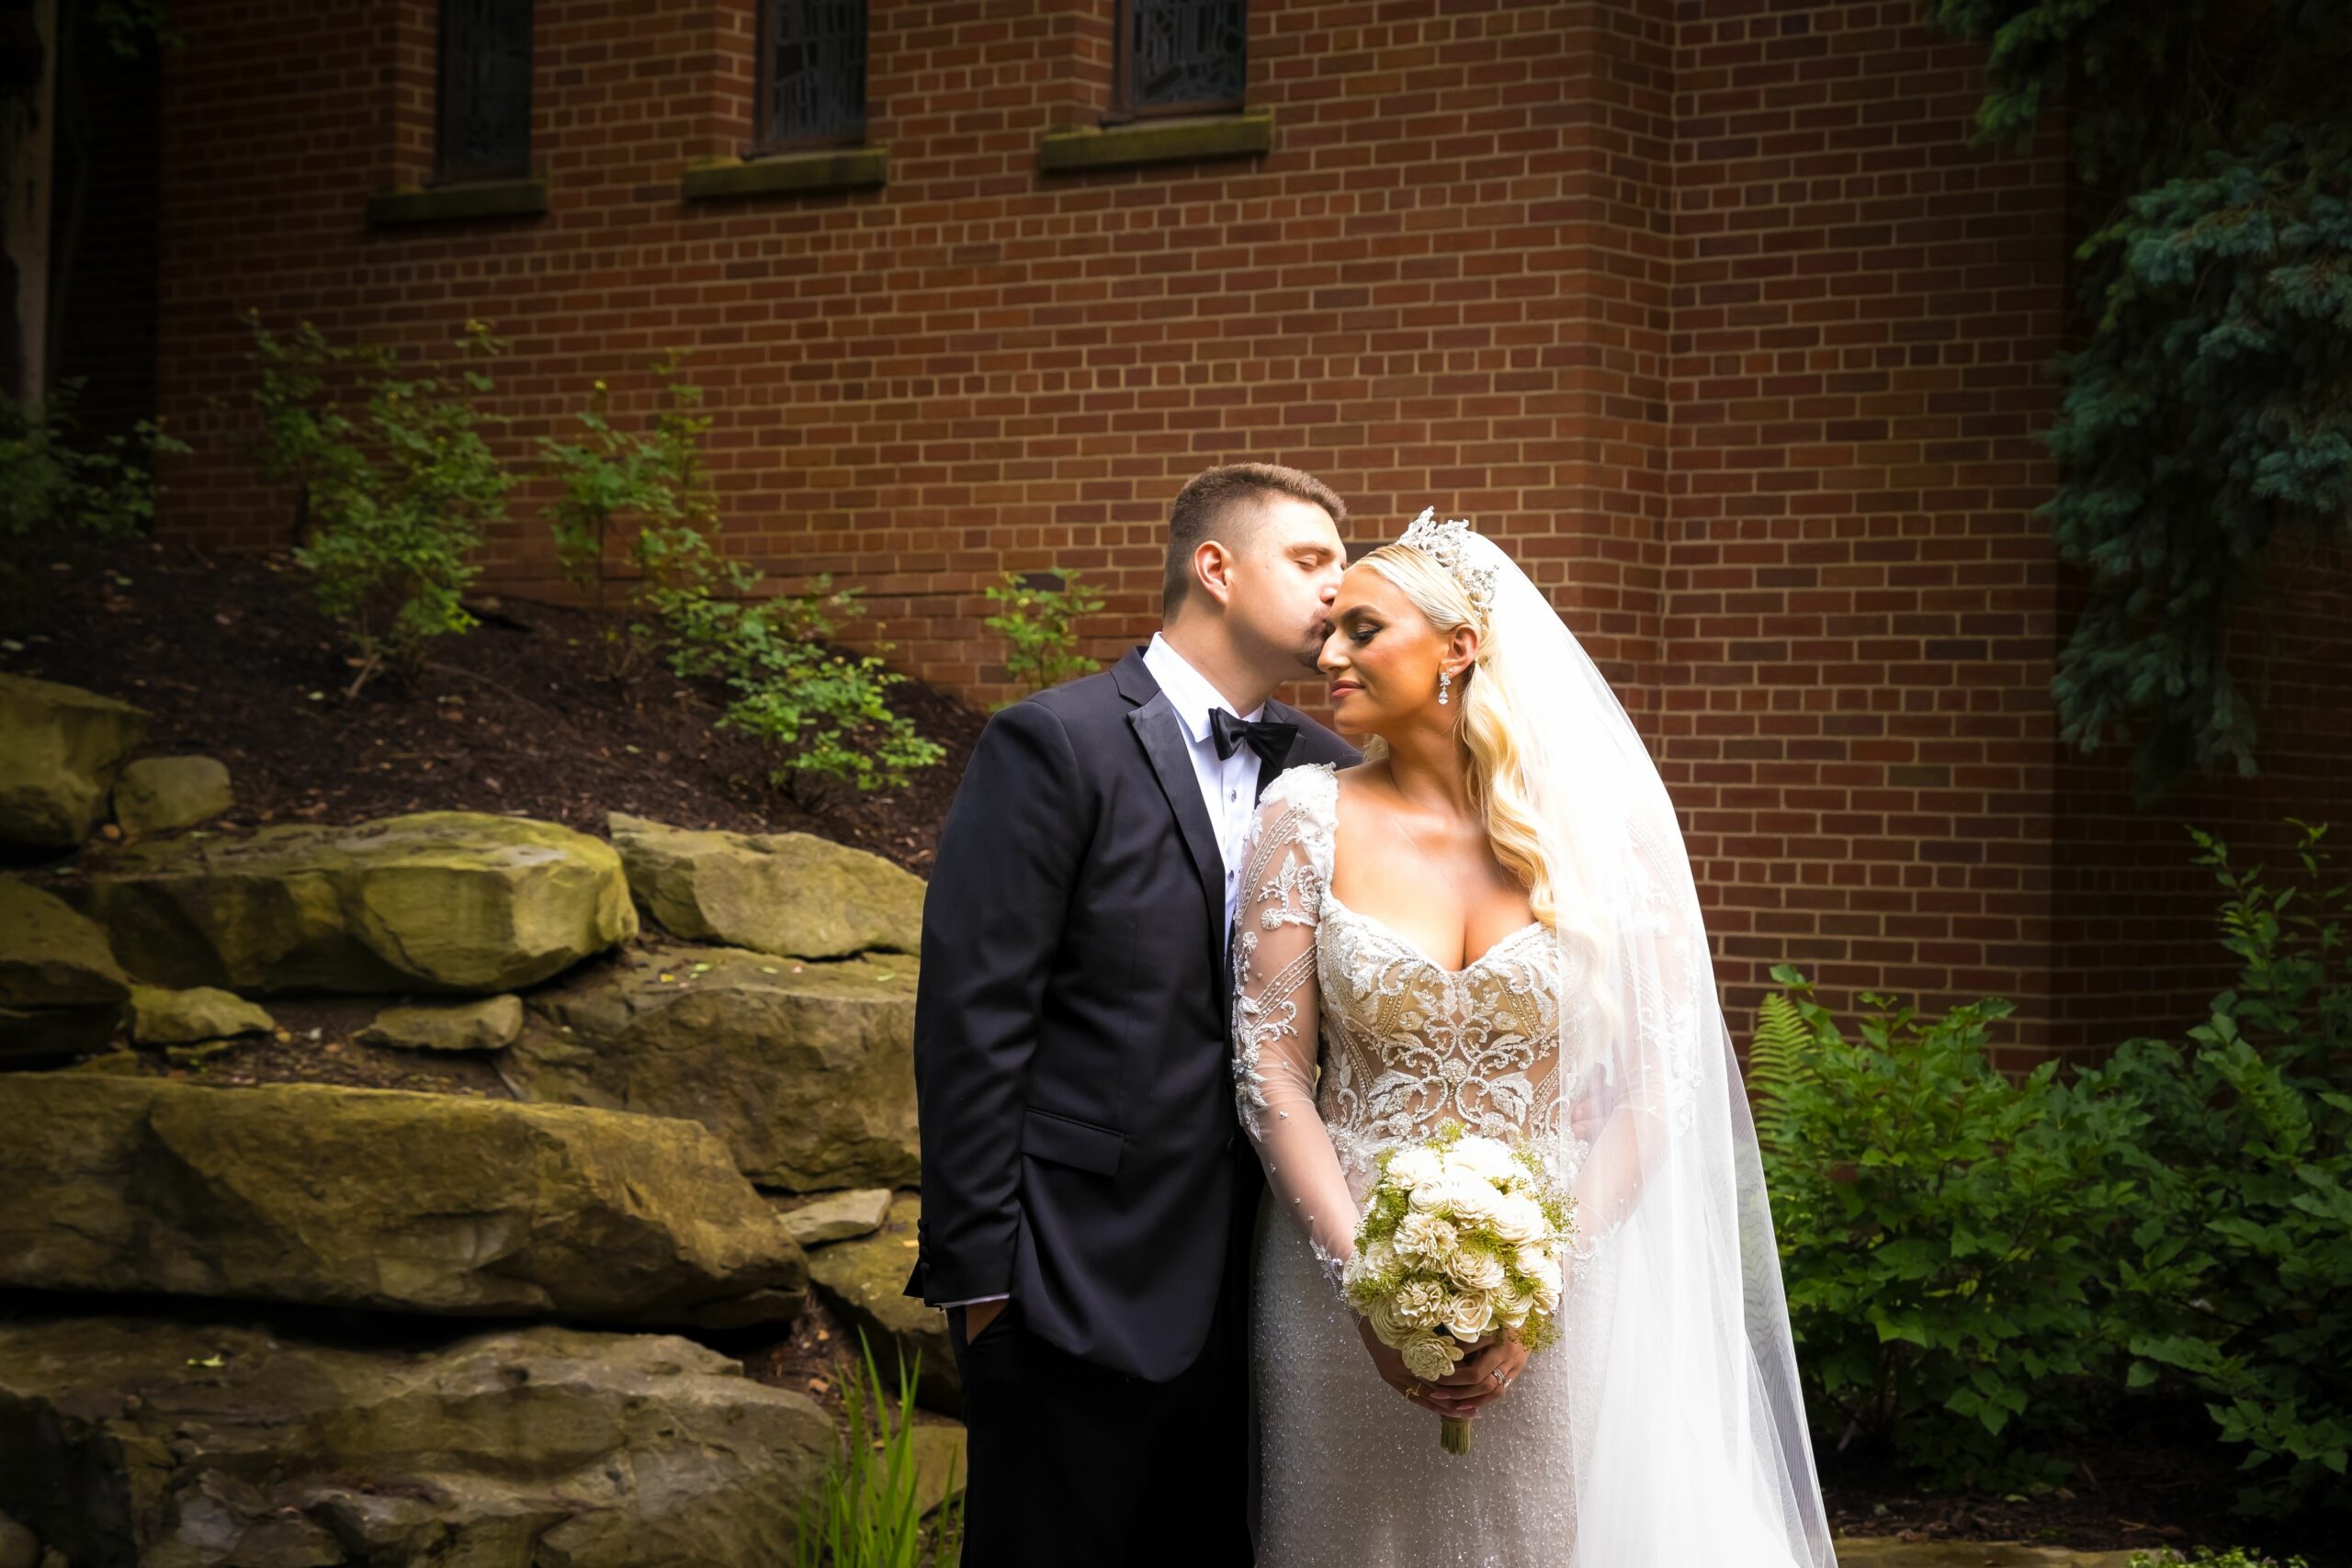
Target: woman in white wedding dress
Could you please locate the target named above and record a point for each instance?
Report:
(1664, 1431)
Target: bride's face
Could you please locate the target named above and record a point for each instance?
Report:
(1383, 658)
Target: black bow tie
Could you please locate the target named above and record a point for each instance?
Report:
(1269, 739)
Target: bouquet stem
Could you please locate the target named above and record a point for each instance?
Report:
(1452, 1435)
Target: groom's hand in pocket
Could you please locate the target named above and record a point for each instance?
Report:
(979, 1315)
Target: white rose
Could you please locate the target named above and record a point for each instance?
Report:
(1427, 1357)
(1470, 1315)
(1425, 1236)
(1547, 1288)
(1478, 1270)
(1469, 1200)
(1414, 1168)
(1391, 1329)
(1519, 1218)
(1512, 1311)
(1482, 1156)
(1429, 1194)
(1420, 1304)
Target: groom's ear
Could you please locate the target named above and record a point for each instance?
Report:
(1212, 565)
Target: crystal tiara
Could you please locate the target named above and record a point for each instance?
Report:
(1448, 543)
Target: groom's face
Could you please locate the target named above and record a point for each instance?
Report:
(1285, 575)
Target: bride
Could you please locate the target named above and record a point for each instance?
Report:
(1491, 921)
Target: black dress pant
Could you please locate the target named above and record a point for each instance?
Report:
(1071, 1464)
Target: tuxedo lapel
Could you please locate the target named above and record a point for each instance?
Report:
(1164, 741)
(1269, 770)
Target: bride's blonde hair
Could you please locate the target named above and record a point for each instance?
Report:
(1492, 720)
(1495, 711)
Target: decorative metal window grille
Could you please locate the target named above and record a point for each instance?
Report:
(1180, 56)
(812, 73)
(484, 113)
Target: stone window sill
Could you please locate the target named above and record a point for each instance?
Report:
(1251, 131)
(525, 197)
(786, 173)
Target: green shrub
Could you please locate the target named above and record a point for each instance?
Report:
(2235, 1557)
(2235, 1279)
(868, 1510)
(1935, 1221)
(1041, 624)
(50, 481)
(822, 713)
(394, 498)
(651, 491)
(1964, 1254)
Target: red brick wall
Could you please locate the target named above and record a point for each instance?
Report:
(1859, 611)
(1706, 308)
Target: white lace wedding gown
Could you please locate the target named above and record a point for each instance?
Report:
(1347, 1039)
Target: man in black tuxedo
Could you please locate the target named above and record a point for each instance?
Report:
(1087, 1202)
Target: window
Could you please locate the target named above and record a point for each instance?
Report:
(811, 75)
(1179, 57)
(482, 128)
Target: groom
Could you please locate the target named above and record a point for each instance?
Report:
(1086, 1204)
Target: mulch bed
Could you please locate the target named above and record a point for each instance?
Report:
(228, 656)
(2160, 1480)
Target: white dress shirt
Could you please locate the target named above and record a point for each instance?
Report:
(1228, 785)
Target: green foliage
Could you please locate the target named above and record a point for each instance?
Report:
(649, 491)
(867, 1511)
(2205, 423)
(646, 496)
(2234, 1278)
(50, 481)
(2235, 1557)
(396, 494)
(1933, 1217)
(1042, 626)
(824, 714)
(1970, 1257)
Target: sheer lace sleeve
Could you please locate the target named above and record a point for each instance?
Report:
(1276, 1033)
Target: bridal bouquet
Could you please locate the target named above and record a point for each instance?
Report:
(1463, 1238)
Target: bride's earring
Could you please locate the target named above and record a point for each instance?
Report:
(1444, 679)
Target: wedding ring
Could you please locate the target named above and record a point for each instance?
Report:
(1497, 1375)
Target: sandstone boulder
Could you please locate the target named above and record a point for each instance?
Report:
(60, 750)
(160, 1016)
(438, 901)
(783, 893)
(383, 1199)
(807, 1071)
(486, 1025)
(864, 1282)
(141, 1439)
(50, 956)
(61, 991)
(837, 1216)
(155, 795)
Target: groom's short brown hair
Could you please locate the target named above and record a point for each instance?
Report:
(1221, 503)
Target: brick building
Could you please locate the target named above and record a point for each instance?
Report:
(1705, 308)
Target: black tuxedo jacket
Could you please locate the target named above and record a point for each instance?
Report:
(1072, 1071)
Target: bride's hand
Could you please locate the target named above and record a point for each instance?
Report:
(1391, 1366)
(1483, 1375)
